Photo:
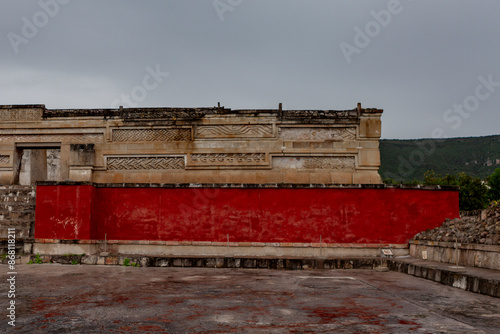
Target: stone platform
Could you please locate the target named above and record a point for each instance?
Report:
(478, 280)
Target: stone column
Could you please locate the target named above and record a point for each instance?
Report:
(65, 153)
(38, 164)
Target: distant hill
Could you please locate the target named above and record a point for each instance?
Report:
(408, 160)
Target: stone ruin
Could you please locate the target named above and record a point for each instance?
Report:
(189, 145)
(481, 229)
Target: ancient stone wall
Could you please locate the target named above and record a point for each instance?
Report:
(190, 145)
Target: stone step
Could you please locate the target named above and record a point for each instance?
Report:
(31, 193)
(21, 233)
(18, 191)
(16, 195)
(17, 216)
(479, 280)
(27, 203)
(16, 206)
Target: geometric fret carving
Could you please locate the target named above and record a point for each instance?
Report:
(314, 162)
(227, 159)
(135, 135)
(20, 115)
(144, 163)
(65, 138)
(336, 134)
(234, 131)
(4, 159)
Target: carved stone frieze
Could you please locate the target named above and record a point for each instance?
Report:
(137, 135)
(314, 162)
(51, 138)
(144, 163)
(228, 159)
(231, 131)
(4, 159)
(20, 115)
(336, 134)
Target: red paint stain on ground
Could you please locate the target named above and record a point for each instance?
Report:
(151, 328)
(412, 323)
(120, 299)
(38, 304)
(53, 314)
(341, 314)
(159, 320)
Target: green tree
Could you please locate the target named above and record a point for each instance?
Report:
(473, 194)
(494, 184)
(431, 178)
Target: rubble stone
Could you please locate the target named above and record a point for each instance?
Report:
(470, 230)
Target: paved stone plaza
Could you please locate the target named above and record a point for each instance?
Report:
(101, 299)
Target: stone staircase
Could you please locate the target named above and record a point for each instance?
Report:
(17, 210)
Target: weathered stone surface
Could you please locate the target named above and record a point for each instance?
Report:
(314, 162)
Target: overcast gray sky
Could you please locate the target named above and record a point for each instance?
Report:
(433, 66)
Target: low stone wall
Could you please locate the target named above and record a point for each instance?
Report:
(469, 255)
(17, 210)
(56, 247)
(295, 263)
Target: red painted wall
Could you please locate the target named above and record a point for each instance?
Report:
(349, 215)
(64, 212)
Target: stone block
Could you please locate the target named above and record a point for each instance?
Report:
(163, 262)
(233, 263)
(341, 178)
(370, 127)
(369, 158)
(293, 264)
(263, 263)
(145, 261)
(249, 263)
(220, 263)
(366, 177)
(89, 259)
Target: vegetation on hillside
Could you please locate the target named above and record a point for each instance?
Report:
(494, 183)
(409, 160)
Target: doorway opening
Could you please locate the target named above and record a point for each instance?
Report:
(37, 163)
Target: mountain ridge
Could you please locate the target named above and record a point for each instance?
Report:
(407, 160)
